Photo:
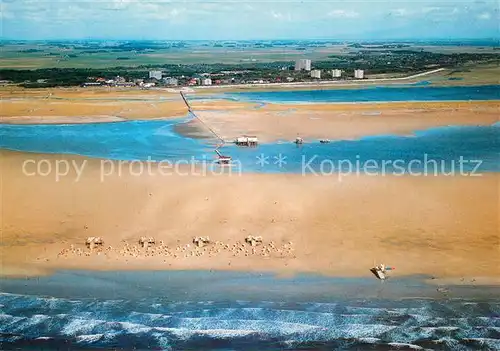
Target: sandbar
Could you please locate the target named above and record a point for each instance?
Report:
(230, 119)
(273, 122)
(72, 105)
(444, 226)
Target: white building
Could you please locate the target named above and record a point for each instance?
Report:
(336, 73)
(316, 73)
(155, 74)
(206, 81)
(171, 81)
(303, 65)
(246, 140)
(359, 73)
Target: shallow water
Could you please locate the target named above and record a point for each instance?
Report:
(440, 148)
(435, 150)
(128, 140)
(250, 311)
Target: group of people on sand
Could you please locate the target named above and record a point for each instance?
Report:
(200, 246)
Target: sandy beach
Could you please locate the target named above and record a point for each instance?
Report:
(422, 225)
(446, 227)
(80, 105)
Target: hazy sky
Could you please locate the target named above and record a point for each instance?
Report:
(258, 19)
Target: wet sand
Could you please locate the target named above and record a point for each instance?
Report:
(49, 111)
(76, 105)
(269, 122)
(446, 227)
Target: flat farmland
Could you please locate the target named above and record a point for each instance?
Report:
(46, 56)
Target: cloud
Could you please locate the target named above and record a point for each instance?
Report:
(245, 18)
(426, 10)
(276, 14)
(4, 11)
(343, 14)
(281, 16)
(399, 12)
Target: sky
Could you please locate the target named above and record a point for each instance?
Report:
(243, 20)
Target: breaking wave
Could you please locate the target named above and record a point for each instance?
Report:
(38, 322)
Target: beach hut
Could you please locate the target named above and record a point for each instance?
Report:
(380, 271)
(253, 240)
(247, 140)
(93, 241)
(146, 242)
(223, 160)
(201, 241)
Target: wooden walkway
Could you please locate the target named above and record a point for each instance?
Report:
(202, 121)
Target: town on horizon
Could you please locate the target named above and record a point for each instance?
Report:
(154, 63)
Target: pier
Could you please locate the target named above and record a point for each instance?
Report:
(186, 102)
(223, 159)
(201, 120)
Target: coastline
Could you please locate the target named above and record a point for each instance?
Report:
(189, 310)
(214, 285)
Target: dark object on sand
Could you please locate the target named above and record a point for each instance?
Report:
(146, 242)
(253, 240)
(201, 241)
(93, 241)
(380, 271)
(324, 141)
(443, 290)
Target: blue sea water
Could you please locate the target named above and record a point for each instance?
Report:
(242, 311)
(115, 140)
(371, 94)
(441, 148)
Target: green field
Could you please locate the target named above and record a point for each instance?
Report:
(35, 55)
(46, 56)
